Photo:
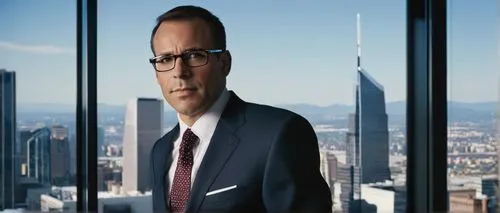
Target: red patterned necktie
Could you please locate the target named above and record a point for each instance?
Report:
(181, 185)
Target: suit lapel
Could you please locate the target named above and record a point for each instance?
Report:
(166, 159)
(221, 147)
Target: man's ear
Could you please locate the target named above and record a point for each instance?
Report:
(226, 62)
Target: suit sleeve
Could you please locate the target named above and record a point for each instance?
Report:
(292, 179)
(152, 177)
(151, 168)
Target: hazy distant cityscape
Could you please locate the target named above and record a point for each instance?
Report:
(471, 138)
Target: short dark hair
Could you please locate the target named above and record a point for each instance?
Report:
(190, 12)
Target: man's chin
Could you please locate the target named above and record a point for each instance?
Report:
(191, 107)
(188, 111)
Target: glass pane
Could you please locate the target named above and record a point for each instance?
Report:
(473, 67)
(37, 99)
(300, 56)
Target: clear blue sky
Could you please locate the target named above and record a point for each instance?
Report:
(283, 51)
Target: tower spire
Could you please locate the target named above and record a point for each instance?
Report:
(358, 32)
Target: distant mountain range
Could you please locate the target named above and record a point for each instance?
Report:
(457, 111)
(65, 108)
(392, 108)
(336, 110)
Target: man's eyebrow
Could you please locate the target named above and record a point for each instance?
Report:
(165, 54)
(193, 48)
(169, 53)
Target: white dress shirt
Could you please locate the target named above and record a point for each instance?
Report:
(204, 128)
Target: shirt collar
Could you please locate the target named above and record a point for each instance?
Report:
(205, 126)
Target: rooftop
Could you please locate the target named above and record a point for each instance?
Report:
(68, 193)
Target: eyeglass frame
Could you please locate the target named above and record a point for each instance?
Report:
(209, 52)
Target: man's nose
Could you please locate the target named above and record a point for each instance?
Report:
(180, 69)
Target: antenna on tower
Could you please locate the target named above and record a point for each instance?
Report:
(358, 32)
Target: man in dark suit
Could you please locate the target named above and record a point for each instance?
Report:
(225, 155)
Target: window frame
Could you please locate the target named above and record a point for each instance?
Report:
(86, 107)
(427, 188)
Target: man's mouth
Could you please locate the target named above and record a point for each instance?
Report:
(183, 89)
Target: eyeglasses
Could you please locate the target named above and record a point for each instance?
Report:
(190, 58)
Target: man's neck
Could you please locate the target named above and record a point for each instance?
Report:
(189, 120)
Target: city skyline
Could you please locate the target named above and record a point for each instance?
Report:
(321, 73)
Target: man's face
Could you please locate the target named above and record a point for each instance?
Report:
(190, 90)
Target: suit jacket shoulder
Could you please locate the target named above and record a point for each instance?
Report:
(261, 113)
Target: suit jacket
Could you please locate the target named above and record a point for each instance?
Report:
(270, 154)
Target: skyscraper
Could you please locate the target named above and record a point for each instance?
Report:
(24, 135)
(38, 156)
(368, 136)
(60, 155)
(100, 142)
(143, 127)
(7, 138)
(328, 167)
(372, 134)
(350, 186)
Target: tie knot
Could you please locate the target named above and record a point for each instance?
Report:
(189, 139)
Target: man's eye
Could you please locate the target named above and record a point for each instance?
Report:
(166, 60)
(195, 55)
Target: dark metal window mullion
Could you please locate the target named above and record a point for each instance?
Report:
(86, 109)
